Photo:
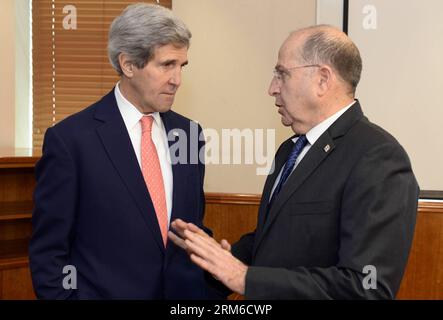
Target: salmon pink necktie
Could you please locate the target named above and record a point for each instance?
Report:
(153, 175)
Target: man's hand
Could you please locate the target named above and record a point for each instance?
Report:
(208, 254)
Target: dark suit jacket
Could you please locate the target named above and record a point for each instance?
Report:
(93, 211)
(343, 208)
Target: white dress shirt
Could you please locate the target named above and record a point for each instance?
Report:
(312, 136)
(131, 117)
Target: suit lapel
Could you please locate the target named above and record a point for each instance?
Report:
(178, 175)
(280, 160)
(321, 149)
(309, 163)
(175, 133)
(117, 143)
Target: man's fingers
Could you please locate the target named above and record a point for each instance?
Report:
(202, 263)
(179, 223)
(202, 239)
(192, 227)
(197, 245)
(179, 226)
(177, 240)
(225, 245)
(208, 247)
(197, 232)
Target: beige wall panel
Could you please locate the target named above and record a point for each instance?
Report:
(7, 74)
(234, 49)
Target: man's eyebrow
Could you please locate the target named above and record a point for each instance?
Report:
(173, 61)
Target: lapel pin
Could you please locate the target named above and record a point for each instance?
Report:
(327, 148)
(175, 133)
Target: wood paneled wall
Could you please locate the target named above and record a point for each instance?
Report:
(423, 277)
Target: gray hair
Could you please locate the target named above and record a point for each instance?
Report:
(330, 46)
(140, 29)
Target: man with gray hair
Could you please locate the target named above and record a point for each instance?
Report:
(107, 187)
(337, 215)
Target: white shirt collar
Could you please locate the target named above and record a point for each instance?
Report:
(315, 133)
(131, 115)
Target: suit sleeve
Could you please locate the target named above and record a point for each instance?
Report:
(379, 205)
(53, 217)
(242, 249)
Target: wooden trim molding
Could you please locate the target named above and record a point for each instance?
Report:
(232, 198)
(18, 158)
(14, 263)
(430, 207)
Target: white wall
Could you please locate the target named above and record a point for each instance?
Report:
(330, 12)
(23, 109)
(401, 84)
(7, 74)
(233, 52)
(15, 113)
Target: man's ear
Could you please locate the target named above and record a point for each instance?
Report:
(325, 79)
(126, 65)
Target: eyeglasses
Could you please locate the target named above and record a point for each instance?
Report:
(281, 73)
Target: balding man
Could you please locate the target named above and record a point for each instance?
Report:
(337, 215)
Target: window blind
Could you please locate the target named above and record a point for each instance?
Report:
(71, 69)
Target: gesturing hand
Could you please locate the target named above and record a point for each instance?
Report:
(210, 255)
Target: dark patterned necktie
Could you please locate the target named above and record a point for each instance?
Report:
(296, 150)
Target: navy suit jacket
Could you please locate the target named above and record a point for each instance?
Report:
(93, 211)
